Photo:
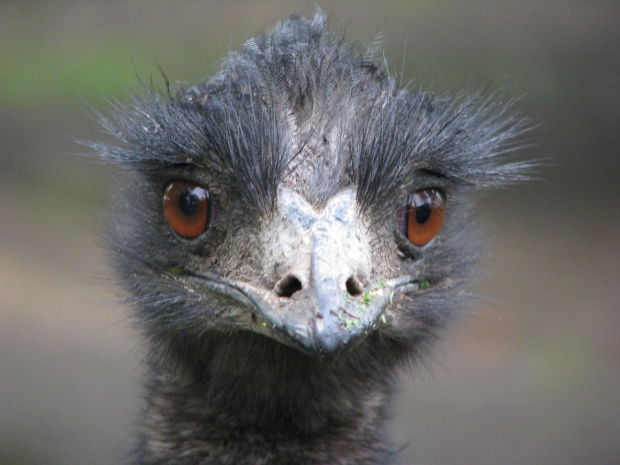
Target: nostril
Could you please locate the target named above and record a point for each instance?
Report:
(354, 286)
(287, 286)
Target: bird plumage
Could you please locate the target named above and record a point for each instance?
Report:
(298, 133)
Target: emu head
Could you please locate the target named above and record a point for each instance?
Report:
(301, 195)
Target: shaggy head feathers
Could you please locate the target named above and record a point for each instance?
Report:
(298, 108)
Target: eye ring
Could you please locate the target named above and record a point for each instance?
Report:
(422, 217)
(188, 208)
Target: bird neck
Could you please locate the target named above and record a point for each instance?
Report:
(265, 403)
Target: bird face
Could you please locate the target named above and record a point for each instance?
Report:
(300, 195)
(309, 279)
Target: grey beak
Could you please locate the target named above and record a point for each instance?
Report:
(326, 253)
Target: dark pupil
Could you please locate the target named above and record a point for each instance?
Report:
(188, 203)
(423, 213)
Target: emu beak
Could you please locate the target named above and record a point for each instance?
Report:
(320, 261)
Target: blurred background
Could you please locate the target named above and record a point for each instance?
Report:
(533, 377)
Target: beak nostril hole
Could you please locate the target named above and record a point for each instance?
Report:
(287, 286)
(354, 286)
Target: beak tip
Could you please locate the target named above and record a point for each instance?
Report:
(330, 339)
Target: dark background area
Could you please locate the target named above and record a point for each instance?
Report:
(532, 377)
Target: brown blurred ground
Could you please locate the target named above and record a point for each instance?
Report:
(532, 378)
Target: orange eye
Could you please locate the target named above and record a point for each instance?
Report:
(422, 217)
(187, 208)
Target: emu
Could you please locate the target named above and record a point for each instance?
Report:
(292, 233)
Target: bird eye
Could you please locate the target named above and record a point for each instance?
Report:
(422, 217)
(188, 208)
